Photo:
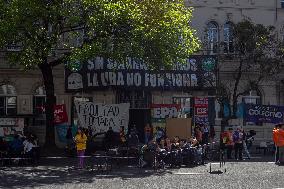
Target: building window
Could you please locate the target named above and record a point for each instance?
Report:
(137, 99)
(253, 97)
(228, 38)
(212, 37)
(39, 100)
(8, 100)
(282, 3)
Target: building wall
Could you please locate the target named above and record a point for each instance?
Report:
(267, 12)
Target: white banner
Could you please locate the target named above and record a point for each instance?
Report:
(11, 126)
(100, 117)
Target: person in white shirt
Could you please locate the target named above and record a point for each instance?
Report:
(28, 148)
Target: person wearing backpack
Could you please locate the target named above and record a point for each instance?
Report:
(238, 140)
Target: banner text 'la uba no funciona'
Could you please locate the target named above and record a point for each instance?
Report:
(198, 72)
(100, 117)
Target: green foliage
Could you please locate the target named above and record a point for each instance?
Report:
(259, 48)
(258, 56)
(155, 31)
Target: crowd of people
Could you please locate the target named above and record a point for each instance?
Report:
(20, 147)
(237, 140)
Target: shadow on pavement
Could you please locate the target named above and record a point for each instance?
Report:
(61, 171)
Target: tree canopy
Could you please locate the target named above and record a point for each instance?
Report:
(45, 33)
(156, 31)
(258, 55)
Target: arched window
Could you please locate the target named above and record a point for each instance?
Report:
(8, 100)
(252, 97)
(212, 37)
(39, 100)
(228, 38)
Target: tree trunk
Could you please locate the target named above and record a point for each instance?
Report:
(46, 70)
(236, 86)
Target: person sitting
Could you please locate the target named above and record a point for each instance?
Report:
(175, 144)
(162, 144)
(183, 144)
(153, 146)
(16, 146)
(28, 148)
(3, 147)
(133, 139)
(168, 146)
(194, 142)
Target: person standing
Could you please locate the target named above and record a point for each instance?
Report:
(228, 141)
(109, 138)
(147, 133)
(198, 134)
(275, 140)
(212, 133)
(238, 140)
(245, 144)
(205, 136)
(69, 138)
(280, 143)
(81, 144)
(122, 136)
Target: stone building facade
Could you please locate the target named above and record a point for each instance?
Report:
(22, 93)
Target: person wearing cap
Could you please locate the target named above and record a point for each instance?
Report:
(275, 140)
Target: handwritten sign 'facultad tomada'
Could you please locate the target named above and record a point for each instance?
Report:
(100, 117)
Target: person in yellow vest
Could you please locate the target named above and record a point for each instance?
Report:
(81, 143)
(280, 143)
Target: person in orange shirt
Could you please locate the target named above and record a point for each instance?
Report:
(280, 143)
(275, 140)
(81, 144)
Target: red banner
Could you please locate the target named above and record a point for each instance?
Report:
(60, 114)
(200, 102)
(201, 110)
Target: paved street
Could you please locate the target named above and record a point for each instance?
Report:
(258, 173)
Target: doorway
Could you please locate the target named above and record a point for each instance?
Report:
(139, 118)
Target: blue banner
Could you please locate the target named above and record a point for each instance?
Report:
(62, 131)
(264, 114)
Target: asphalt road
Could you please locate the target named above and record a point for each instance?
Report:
(258, 173)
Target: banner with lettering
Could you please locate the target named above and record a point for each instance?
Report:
(100, 116)
(201, 110)
(60, 114)
(199, 72)
(61, 130)
(263, 113)
(11, 126)
(160, 112)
